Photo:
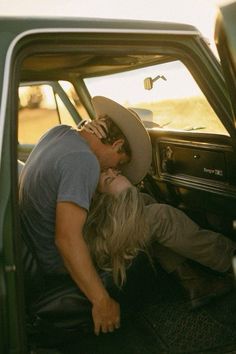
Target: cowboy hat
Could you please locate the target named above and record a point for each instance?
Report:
(134, 131)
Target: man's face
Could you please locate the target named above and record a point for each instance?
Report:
(111, 157)
(112, 182)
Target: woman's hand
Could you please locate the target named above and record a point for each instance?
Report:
(97, 127)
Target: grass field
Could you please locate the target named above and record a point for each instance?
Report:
(33, 123)
(184, 114)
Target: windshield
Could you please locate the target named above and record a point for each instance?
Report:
(164, 96)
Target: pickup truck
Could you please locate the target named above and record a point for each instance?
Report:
(166, 72)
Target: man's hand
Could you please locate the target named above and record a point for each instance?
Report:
(106, 315)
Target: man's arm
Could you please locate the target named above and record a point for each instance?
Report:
(70, 220)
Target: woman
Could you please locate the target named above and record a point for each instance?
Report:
(116, 229)
(120, 225)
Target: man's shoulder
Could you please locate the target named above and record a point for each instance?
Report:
(59, 129)
(55, 132)
(84, 158)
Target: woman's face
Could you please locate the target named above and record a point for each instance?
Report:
(112, 182)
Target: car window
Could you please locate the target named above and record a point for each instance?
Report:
(74, 98)
(164, 95)
(40, 108)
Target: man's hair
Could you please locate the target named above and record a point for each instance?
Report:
(114, 133)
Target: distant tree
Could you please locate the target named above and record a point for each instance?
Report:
(35, 97)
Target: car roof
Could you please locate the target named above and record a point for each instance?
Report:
(18, 24)
(18, 27)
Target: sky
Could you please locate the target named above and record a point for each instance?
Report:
(200, 13)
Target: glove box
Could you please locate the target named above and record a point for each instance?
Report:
(192, 161)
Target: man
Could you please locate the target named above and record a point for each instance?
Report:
(56, 187)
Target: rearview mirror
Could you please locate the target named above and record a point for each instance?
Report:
(148, 81)
(148, 84)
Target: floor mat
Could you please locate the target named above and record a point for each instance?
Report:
(181, 330)
(168, 326)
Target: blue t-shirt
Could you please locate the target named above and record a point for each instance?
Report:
(61, 167)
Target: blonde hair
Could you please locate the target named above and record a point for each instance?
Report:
(116, 231)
